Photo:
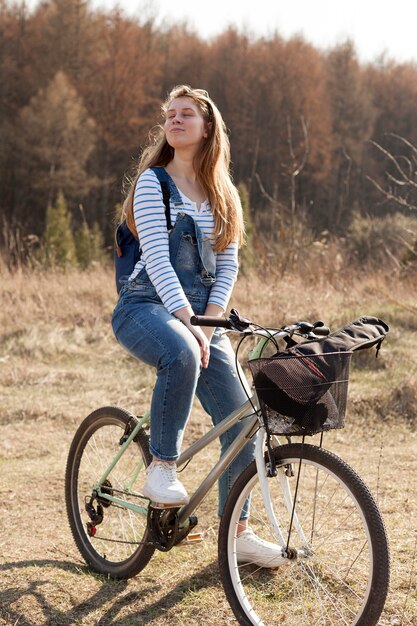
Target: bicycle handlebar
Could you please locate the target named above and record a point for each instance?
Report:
(238, 323)
(207, 320)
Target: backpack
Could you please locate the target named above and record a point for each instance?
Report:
(361, 334)
(127, 251)
(295, 380)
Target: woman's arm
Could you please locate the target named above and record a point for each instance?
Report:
(150, 221)
(213, 310)
(226, 274)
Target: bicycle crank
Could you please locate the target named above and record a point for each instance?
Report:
(164, 527)
(106, 488)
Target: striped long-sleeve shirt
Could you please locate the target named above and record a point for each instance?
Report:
(150, 220)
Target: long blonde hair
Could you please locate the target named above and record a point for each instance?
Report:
(211, 164)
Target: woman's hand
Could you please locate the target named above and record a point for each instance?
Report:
(208, 331)
(185, 315)
(203, 341)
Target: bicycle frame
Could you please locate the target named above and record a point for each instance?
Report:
(248, 411)
(244, 412)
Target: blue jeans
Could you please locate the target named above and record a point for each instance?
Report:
(157, 338)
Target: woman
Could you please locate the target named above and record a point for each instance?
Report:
(190, 270)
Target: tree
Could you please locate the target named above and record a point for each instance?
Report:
(59, 241)
(282, 92)
(247, 254)
(16, 87)
(58, 137)
(63, 33)
(352, 125)
(401, 176)
(124, 94)
(399, 191)
(393, 89)
(89, 244)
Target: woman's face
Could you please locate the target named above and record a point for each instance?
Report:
(184, 124)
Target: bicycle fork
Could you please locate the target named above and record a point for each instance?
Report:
(287, 553)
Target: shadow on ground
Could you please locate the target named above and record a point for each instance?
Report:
(111, 592)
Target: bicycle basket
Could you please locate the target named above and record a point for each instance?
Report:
(302, 395)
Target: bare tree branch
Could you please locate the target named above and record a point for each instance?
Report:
(306, 148)
(266, 195)
(401, 183)
(404, 181)
(404, 141)
(348, 172)
(289, 136)
(389, 195)
(254, 163)
(296, 167)
(390, 157)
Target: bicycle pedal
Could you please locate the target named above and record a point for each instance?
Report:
(163, 506)
(190, 539)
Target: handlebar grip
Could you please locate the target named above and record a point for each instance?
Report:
(321, 331)
(207, 320)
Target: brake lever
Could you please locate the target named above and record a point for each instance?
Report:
(305, 328)
(239, 323)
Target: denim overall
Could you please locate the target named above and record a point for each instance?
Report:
(143, 326)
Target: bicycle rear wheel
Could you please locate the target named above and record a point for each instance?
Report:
(121, 544)
(341, 572)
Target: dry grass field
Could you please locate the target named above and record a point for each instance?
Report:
(59, 361)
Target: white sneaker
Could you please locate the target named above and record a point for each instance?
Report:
(162, 485)
(252, 549)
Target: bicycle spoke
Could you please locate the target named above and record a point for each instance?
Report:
(118, 543)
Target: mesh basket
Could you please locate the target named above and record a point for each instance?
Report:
(302, 395)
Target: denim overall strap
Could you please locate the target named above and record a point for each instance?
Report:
(208, 258)
(205, 250)
(191, 256)
(163, 177)
(193, 260)
(175, 195)
(204, 246)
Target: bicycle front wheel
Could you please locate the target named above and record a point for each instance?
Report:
(339, 571)
(120, 545)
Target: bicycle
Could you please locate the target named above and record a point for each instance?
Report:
(335, 555)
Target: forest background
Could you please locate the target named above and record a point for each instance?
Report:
(322, 145)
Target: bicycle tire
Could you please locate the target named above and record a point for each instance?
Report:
(343, 581)
(121, 547)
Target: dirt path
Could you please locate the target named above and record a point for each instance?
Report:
(44, 582)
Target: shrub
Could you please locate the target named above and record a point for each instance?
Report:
(59, 247)
(89, 244)
(382, 241)
(247, 253)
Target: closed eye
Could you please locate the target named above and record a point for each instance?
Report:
(185, 112)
